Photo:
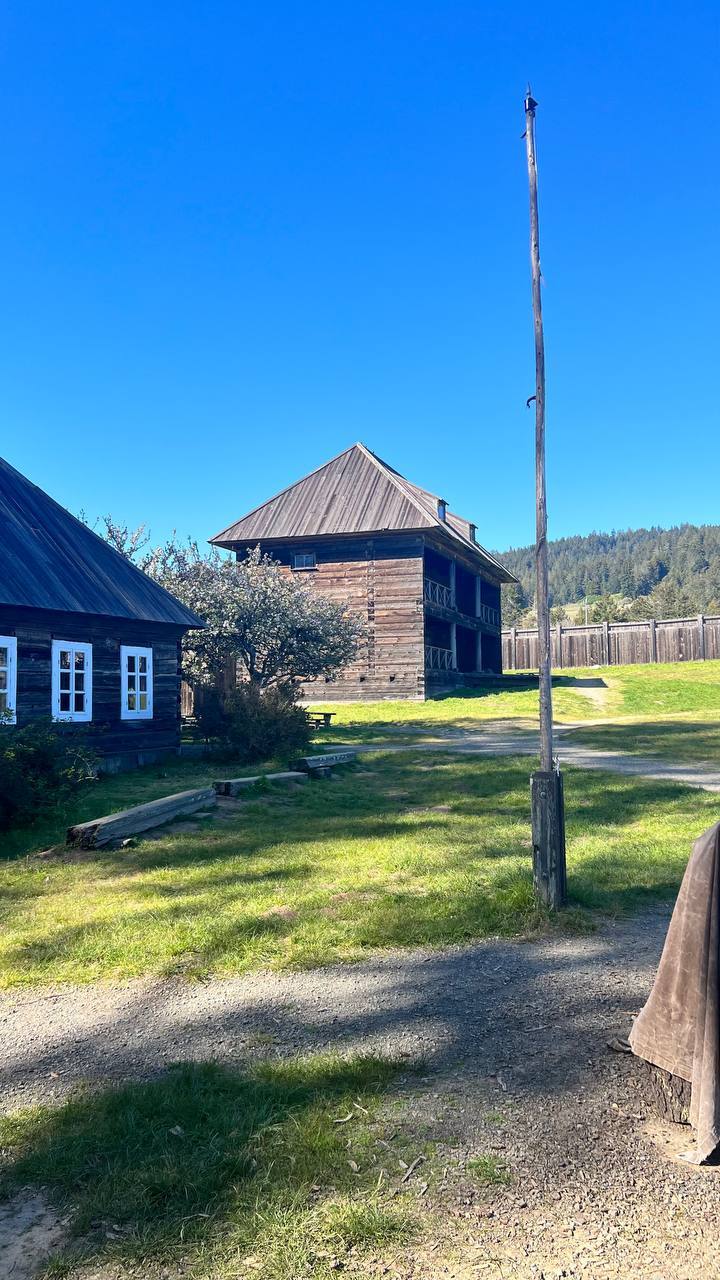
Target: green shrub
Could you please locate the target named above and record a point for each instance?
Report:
(40, 767)
(257, 724)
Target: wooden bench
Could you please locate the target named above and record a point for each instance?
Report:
(322, 766)
(320, 719)
(142, 817)
(233, 786)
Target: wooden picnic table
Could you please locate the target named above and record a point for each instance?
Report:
(320, 719)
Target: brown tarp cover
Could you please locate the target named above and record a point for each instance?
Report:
(679, 1027)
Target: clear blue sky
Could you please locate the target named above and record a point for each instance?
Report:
(236, 237)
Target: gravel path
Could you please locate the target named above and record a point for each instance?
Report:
(506, 740)
(514, 1040)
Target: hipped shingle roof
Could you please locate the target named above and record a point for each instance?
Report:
(354, 493)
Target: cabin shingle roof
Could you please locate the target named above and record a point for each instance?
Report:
(50, 560)
(354, 493)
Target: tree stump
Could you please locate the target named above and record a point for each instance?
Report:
(668, 1095)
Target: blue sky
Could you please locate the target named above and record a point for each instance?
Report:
(235, 238)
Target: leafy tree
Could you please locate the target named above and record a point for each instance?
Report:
(276, 626)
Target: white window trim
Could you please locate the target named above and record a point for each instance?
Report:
(10, 643)
(74, 646)
(304, 555)
(137, 651)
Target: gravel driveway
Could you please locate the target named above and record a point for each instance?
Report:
(514, 1040)
(503, 738)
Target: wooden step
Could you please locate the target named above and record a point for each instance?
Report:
(142, 817)
(233, 786)
(323, 764)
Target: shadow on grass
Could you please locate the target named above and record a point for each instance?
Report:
(212, 1165)
(425, 851)
(579, 682)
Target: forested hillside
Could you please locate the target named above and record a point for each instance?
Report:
(658, 573)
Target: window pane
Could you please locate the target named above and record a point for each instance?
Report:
(142, 663)
(64, 679)
(80, 661)
(65, 659)
(64, 701)
(131, 700)
(131, 682)
(143, 683)
(131, 662)
(3, 679)
(3, 701)
(79, 681)
(3, 656)
(79, 701)
(143, 702)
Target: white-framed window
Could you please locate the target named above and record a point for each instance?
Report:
(136, 683)
(304, 560)
(71, 680)
(8, 679)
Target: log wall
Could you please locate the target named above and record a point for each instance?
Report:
(106, 734)
(381, 579)
(603, 644)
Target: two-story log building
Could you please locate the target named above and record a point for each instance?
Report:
(428, 593)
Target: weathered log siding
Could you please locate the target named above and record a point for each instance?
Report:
(106, 734)
(380, 579)
(616, 643)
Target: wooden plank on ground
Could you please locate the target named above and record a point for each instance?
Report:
(233, 786)
(142, 817)
(326, 761)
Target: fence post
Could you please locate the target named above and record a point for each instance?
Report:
(513, 648)
(653, 640)
(559, 644)
(606, 643)
(701, 634)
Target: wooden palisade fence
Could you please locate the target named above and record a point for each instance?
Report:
(609, 644)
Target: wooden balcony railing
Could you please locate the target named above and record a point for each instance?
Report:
(489, 615)
(438, 593)
(438, 659)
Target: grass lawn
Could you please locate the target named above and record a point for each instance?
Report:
(405, 850)
(691, 689)
(274, 1172)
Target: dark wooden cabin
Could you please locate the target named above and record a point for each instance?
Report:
(428, 593)
(86, 638)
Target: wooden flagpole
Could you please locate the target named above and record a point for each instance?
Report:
(546, 785)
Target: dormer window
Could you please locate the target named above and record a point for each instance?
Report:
(442, 509)
(304, 560)
(473, 533)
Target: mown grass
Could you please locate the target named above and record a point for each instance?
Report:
(274, 1172)
(666, 689)
(406, 850)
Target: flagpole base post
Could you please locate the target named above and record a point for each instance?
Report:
(547, 805)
